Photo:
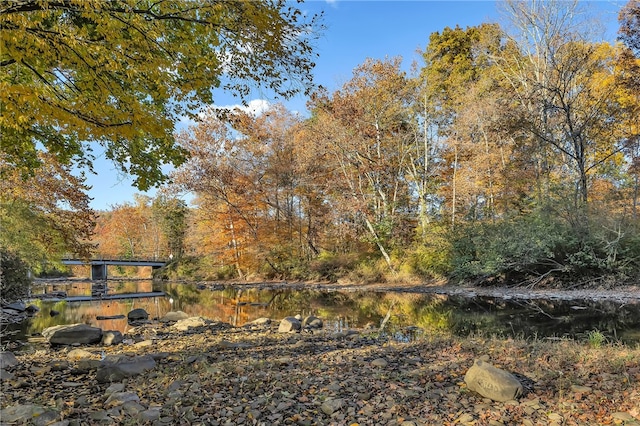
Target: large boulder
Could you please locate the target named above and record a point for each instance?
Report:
(492, 382)
(312, 322)
(81, 334)
(138, 314)
(116, 368)
(289, 325)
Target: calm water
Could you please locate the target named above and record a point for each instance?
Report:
(429, 312)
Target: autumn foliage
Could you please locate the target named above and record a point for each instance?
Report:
(505, 157)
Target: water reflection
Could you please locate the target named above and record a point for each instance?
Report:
(408, 314)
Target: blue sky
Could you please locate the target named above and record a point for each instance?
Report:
(355, 31)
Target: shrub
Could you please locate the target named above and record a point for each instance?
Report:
(432, 256)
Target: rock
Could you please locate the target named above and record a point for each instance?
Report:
(120, 398)
(174, 316)
(312, 322)
(8, 359)
(379, 362)
(580, 389)
(492, 382)
(76, 354)
(193, 322)
(113, 388)
(72, 334)
(54, 313)
(116, 368)
(261, 321)
(138, 314)
(58, 365)
(88, 364)
(289, 324)
(28, 414)
(31, 309)
(330, 406)
(5, 375)
(112, 337)
(150, 415)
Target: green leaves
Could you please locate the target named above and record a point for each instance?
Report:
(123, 71)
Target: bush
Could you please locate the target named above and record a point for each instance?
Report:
(14, 277)
(431, 258)
(531, 248)
(508, 250)
(330, 266)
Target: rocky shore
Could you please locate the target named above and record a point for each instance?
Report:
(211, 373)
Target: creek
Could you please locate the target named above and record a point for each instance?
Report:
(409, 313)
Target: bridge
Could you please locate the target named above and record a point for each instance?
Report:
(99, 266)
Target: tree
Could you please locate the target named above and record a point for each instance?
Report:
(122, 73)
(46, 216)
(564, 84)
(171, 214)
(366, 128)
(629, 77)
(466, 105)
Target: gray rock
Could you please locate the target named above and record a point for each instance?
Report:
(112, 337)
(72, 334)
(138, 314)
(116, 368)
(174, 316)
(330, 406)
(150, 415)
(312, 322)
(193, 322)
(5, 375)
(492, 382)
(261, 321)
(8, 359)
(28, 414)
(120, 398)
(289, 324)
(113, 388)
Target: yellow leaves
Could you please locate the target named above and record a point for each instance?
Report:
(117, 56)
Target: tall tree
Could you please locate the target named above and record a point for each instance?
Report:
(564, 84)
(45, 217)
(121, 73)
(172, 215)
(463, 92)
(629, 76)
(367, 127)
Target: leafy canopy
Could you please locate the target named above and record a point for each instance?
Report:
(122, 72)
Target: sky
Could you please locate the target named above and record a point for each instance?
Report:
(355, 31)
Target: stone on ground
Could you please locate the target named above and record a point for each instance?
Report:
(492, 382)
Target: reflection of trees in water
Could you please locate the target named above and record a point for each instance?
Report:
(432, 313)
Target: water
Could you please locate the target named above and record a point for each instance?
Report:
(409, 314)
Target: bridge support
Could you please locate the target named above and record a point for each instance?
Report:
(153, 269)
(99, 272)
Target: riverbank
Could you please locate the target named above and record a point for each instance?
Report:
(218, 374)
(623, 294)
